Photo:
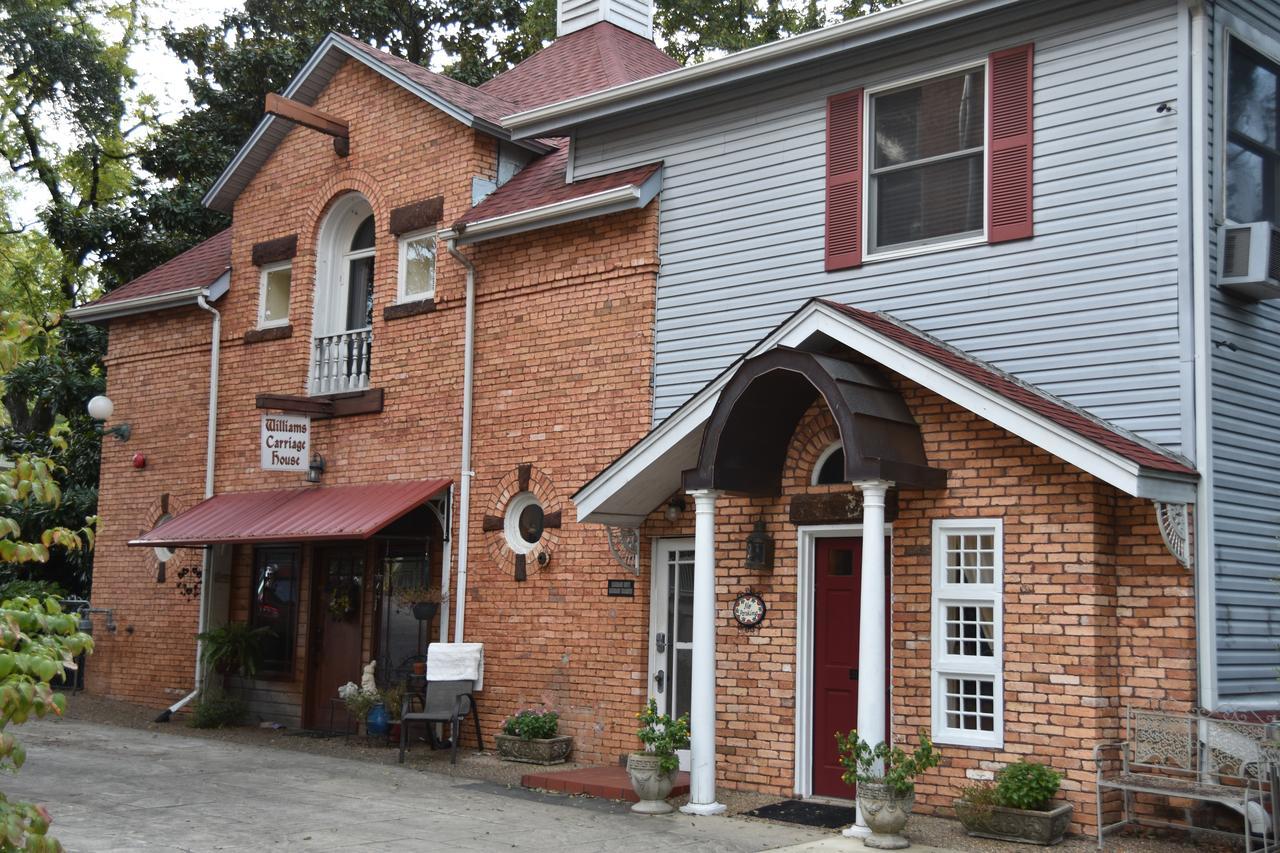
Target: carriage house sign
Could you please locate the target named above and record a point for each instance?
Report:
(286, 442)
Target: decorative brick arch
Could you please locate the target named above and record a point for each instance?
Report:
(351, 180)
(524, 478)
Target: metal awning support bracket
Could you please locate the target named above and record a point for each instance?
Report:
(1175, 530)
(624, 545)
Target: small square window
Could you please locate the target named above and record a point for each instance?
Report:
(970, 704)
(970, 558)
(273, 301)
(970, 630)
(417, 267)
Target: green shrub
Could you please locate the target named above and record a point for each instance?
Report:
(28, 588)
(1027, 785)
(234, 649)
(532, 725)
(663, 736)
(217, 712)
(884, 764)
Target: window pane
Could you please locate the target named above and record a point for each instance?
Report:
(1251, 94)
(970, 704)
(275, 301)
(929, 201)
(363, 238)
(1244, 185)
(970, 558)
(970, 630)
(936, 118)
(360, 294)
(419, 266)
(274, 604)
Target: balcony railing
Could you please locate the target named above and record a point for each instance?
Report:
(341, 362)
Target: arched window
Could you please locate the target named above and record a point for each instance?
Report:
(345, 251)
(830, 467)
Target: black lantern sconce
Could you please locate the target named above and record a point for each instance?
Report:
(675, 506)
(760, 549)
(316, 469)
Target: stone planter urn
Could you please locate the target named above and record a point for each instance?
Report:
(650, 783)
(1025, 826)
(547, 750)
(886, 812)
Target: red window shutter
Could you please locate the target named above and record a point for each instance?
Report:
(1009, 145)
(844, 181)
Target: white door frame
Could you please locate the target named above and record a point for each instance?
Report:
(807, 537)
(657, 608)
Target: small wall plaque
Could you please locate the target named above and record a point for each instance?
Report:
(622, 588)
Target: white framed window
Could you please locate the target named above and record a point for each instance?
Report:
(967, 636)
(1252, 143)
(926, 163)
(273, 295)
(417, 273)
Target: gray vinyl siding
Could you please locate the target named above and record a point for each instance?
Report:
(1246, 452)
(1088, 309)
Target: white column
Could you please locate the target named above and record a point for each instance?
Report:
(702, 697)
(872, 655)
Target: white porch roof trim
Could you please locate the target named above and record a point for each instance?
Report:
(629, 489)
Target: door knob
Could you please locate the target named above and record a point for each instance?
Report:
(660, 679)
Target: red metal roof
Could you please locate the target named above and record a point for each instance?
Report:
(542, 183)
(294, 515)
(199, 266)
(1027, 396)
(587, 60)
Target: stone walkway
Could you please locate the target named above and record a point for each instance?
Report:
(117, 789)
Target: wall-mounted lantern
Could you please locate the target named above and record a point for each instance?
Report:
(316, 469)
(101, 408)
(760, 549)
(675, 506)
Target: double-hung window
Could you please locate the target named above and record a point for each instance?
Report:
(1253, 136)
(273, 294)
(417, 273)
(967, 642)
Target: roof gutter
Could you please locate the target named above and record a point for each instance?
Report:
(838, 38)
(615, 200)
(99, 312)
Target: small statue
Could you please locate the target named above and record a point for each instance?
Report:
(366, 681)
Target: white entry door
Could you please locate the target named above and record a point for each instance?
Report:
(671, 629)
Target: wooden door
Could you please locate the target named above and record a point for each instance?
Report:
(338, 584)
(837, 567)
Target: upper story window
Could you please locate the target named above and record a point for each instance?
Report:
(1253, 136)
(417, 272)
(273, 295)
(927, 161)
(345, 256)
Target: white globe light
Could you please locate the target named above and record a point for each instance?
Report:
(101, 407)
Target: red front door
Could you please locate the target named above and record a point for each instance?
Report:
(837, 567)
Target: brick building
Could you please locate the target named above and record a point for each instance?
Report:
(524, 331)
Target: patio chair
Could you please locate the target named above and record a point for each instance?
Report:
(442, 702)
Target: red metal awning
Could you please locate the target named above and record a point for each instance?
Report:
(294, 515)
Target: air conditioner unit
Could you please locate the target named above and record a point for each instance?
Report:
(1250, 260)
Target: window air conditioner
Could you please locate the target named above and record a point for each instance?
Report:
(1250, 260)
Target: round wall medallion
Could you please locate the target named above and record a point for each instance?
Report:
(523, 524)
(749, 609)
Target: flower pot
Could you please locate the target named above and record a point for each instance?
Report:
(650, 783)
(425, 611)
(1026, 826)
(419, 667)
(377, 722)
(886, 812)
(547, 750)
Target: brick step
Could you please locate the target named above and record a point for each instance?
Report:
(607, 783)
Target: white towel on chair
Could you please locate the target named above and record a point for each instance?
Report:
(456, 662)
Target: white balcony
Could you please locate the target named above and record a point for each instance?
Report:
(341, 362)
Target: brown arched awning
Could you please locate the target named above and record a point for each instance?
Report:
(745, 442)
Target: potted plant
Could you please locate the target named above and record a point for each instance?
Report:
(653, 772)
(1019, 807)
(530, 736)
(424, 601)
(359, 701)
(393, 700)
(234, 649)
(884, 776)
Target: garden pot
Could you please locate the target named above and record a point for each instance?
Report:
(546, 750)
(1026, 826)
(378, 721)
(425, 611)
(886, 812)
(419, 667)
(650, 783)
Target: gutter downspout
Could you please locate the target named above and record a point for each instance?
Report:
(1204, 572)
(206, 567)
(464, 500)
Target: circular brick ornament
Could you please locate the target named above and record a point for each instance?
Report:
(518, 536)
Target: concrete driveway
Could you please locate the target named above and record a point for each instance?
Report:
(116, 789)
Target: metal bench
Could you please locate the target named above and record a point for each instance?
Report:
(1196, 757)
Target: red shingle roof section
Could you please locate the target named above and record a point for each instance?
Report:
(1027, 396)
(588, 60)
(542, 183)
(199, 266)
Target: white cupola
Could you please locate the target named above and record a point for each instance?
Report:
(633, 15)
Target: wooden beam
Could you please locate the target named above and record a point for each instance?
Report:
(313, 118)
(368, 402)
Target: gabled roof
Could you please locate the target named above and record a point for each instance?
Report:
(587, 60)
(538, 196)
(458, 100)
(199, 271)
(639, 480)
